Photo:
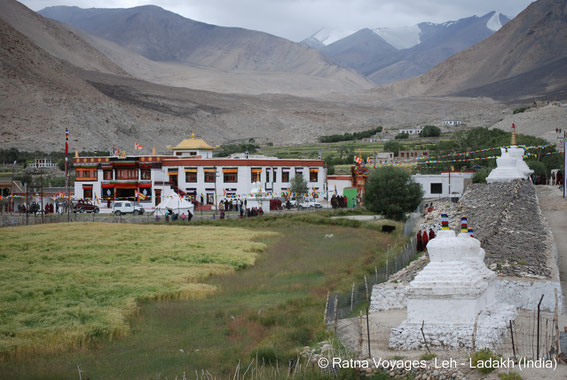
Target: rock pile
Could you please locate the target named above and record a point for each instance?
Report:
(507, 220)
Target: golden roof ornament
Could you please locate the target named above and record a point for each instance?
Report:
(76, 154)
(193, 135)
(513, 141)
(154, 150)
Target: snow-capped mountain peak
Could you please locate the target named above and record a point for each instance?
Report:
(403, 37)
(494, 23)
(327, 36)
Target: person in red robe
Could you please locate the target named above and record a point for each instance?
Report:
(425, 239)
(419, 244)
(431, 234)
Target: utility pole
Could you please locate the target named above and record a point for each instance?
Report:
(564, 163)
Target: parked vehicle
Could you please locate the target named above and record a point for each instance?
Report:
(85, 206)
(310, 203)
(127, 207)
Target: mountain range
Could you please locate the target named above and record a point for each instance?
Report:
(386, 55)
(163, 47)
(55, 75)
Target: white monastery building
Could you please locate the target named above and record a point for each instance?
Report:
(192, 171)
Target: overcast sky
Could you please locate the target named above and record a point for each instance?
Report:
(298, 19)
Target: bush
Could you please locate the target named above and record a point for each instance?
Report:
(480, 175)
(391, 192)
(392, 146)
(510, 376)
(400, 136)
(520, 110)
(430, 131)
(538, 167)
(267, 355)
(484, 356)
(429, 356)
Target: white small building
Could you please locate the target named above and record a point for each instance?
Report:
(381, 158)
(411, 131)
(444, 185)
(338, 183)
(44, 163)
(451, 122)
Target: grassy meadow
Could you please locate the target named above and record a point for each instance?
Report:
(267, 311)
(63, 285)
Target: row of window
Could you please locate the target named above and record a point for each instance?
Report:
(231, 176)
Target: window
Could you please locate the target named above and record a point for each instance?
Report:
(88, 192)
(190, 175)
(210, 175)
(313, 175)
(267, 176)
(126, 174)
(436, 188)
(230, 175)
(285, 176)
(86, 174)
(146, 174)
(107, 174)
(256, 175)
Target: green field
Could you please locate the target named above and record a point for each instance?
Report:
(274, 307)
(64, 285)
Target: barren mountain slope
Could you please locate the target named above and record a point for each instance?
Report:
(163, 36)
(209, 79)
(535, 38)
(55, 39)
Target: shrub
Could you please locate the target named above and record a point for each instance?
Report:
(520, 110)
(391, 192)
(400, 136)
(480, 175)
(267, 355)
(428, 356)
(485, 356)
(510, 376)
(430, 131)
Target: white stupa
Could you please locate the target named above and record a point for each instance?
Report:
(452, 293)
(510, 165)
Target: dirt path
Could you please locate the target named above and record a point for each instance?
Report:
(554, 208)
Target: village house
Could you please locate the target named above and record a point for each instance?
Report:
(411, 131)
(191, 171)
(451, 122)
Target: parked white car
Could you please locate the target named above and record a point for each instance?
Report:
(310, 203)
(127, 207)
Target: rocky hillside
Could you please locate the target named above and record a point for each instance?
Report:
(525, 58)
(56, 39)
(165, 37)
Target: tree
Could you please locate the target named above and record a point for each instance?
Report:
(298, 185)
(392, 146)
(402, 136)
(391, 192)
(430, 131)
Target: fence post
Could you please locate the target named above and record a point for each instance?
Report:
(352, 298)
(556, 326)
(538, 316)
(512, 335)
(326, 308)
(335, 311)
(376, 274)
(366, 284)
(368, 332)
(360, 336)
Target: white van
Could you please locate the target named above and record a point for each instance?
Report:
(127, 207)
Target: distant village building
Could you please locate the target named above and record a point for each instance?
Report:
(451, 122)
(42, 163)
(444, 185)
(405, 155)
(382, 158)
(191, 171)
(411, 131)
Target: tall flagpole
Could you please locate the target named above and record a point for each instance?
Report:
(67, 175)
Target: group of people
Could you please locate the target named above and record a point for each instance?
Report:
(338, 201)
(170, 214)
(232, 205)
(423, 237)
